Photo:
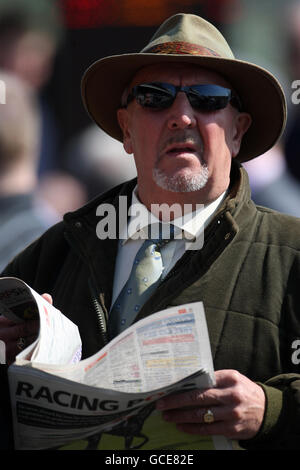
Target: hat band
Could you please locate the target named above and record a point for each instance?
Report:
(180, 47)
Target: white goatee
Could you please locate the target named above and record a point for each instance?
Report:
(183, 183)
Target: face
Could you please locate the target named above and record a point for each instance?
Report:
(181, 154)
(29, 56)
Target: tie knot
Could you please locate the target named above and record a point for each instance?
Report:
(161, 233)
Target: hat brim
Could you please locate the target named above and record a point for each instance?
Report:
(262, 96)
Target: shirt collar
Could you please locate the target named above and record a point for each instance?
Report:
(191, 223)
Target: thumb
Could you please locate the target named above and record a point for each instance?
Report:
(48, 297)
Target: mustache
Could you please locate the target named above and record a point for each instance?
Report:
(183, 137)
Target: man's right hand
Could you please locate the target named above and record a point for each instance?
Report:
(11, 333)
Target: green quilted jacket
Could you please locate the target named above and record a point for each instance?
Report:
(247, 274)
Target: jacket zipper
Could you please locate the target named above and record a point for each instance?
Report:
(95, 303)
(100, 315)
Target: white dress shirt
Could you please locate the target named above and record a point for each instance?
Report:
(132, 238)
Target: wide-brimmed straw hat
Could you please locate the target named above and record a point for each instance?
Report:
(190, 39)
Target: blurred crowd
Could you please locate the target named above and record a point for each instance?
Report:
(41, 179)
(39, 183)
(275, 176)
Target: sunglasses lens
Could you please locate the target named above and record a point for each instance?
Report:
(208, 97)
(153, 96)
(162, 95)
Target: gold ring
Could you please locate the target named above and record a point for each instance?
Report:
(21, 343)
(208, 417)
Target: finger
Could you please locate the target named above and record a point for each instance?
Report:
(5, 322)
(210, 396)
(22, 343)
(15, 346)
(12, 332)
(227, 378)
(48, 297)
(17, 336)
(18, 330)
(197, 415)
(193, 415)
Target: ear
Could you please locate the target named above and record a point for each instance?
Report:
(241, 125)
(123, 119)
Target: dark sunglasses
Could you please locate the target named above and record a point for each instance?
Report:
(201, 97)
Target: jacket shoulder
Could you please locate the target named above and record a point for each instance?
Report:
(278, 228)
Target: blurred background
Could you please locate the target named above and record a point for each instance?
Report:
(45, 47)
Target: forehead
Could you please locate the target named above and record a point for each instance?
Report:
(185, 74)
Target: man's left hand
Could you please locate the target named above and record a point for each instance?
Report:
(237, 403)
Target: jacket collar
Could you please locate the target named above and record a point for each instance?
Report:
(100, 255)
(239, 192)
(81, 227)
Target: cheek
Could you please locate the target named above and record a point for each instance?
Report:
(218, 138)
(145, 136)
(214, 138)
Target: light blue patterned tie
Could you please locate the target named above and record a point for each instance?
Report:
(145, 276)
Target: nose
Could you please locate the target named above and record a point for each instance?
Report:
(181, 113)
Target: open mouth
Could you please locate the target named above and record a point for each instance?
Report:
(180, 149)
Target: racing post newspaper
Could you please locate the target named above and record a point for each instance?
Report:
(106, 401)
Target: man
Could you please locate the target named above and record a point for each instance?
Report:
(190, 113)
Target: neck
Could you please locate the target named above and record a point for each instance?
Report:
(167, 205)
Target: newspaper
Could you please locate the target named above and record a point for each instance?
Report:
(106, 401)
